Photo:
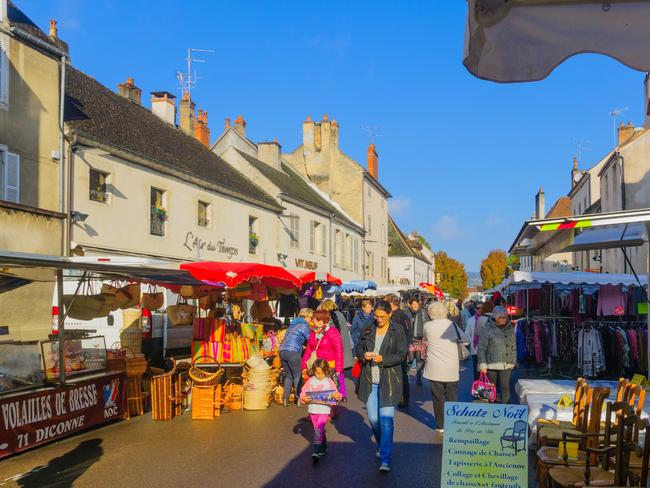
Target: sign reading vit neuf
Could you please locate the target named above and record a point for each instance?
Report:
(485, 445)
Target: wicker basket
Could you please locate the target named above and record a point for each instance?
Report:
(131, 333)
(234, 394)
(162, 395)
(134, 395)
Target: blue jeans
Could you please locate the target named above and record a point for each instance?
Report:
(381, 421)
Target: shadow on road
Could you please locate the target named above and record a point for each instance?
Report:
(62, 471)
(354, 464)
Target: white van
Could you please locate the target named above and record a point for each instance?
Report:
(158, 334)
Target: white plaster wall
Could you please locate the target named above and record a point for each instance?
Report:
(375, 211)
(412, 270)
(122, 224)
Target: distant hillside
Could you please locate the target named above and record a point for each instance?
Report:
(474, 279)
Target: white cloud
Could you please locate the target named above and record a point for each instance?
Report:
(447, 227)
(399, 205)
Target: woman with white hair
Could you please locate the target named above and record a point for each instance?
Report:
(497, 352)
(442, 366)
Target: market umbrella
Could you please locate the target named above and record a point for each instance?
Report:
(233, 274)
(524, 40)
(312, 276)
(433, 289)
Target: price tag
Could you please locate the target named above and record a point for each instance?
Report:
(511, 310)
(619, 310)
(642, 308)
(638, 379)
(565, 401)
(571, 448)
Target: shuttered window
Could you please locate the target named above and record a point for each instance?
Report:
(313, 228)
(4, 71)
(295, 231)
(9, 176)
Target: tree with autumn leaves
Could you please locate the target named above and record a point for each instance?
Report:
(494, 268)
(452, 277)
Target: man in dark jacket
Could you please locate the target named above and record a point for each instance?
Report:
(418, 318)
(403, 318)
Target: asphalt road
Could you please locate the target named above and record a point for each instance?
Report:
(269, 448)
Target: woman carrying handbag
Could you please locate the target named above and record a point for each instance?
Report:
(443, 339)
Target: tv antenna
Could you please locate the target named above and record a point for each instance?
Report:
(617, 112)
(583, 145)
(187, 80)
(373, 132)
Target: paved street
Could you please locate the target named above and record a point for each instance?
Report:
(269, 448)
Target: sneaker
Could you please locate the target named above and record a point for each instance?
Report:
(384, 468)
(377, 454)
(315, 457)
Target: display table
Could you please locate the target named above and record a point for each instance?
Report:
(542, 397)
(34, 417)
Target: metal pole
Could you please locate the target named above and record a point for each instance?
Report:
(59, 292)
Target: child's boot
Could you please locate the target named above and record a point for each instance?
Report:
(323, 447)
(316, 455)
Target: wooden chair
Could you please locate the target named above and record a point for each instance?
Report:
(552, 435)
(549, 456)
(581, 384)
(576, 477)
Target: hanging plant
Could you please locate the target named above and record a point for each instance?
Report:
(161, 213)
(253, 239)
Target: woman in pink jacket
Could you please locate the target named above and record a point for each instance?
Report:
(326, 340)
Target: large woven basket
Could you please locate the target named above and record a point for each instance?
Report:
(162, 395)
(131, 332)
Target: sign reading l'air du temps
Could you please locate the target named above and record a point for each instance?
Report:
(485, 445)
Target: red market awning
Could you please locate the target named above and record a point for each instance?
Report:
(233, 274)
(312, 276)
(433, 289)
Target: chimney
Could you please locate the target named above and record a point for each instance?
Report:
(226, 124)
(625, 133)
(575, 173)
(325, 133)
(186, 116)
(540, 213)
(269, 152)
(130, 91)
(53, 30)
(201, 130)
(163, 106)
(240, 125)
(373, 162)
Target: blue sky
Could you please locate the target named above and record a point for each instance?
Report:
(462, 157)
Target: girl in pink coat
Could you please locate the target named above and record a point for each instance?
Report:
(326, 341)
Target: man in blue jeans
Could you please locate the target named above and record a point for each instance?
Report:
(382, 350)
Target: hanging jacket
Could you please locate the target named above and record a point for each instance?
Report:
(296, 336)
(329, 349)
(393, 350)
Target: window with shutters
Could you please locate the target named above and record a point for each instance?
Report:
(294, 231)
(203, 214)
(313, 228)
(323, 240)
(348, 251)
(9, 175)
(98, 183)
(338, 248)
(158, 213)
(4, 72)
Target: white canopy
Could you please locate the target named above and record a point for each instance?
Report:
(524, 40)
(574, 278)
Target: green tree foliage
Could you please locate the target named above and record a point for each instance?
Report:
(452, 277)
(513, 262)
(494, 268)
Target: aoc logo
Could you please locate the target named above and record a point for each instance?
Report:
(111, 392)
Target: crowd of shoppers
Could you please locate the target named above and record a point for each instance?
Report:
(385, 341)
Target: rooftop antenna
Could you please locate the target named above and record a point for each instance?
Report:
(617, 112)
(187, 80)
(583, 145)
(373, 132)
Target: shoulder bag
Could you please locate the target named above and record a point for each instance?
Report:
(312, 357)
(463, 352)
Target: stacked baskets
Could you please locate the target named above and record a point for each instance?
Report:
(259, 385)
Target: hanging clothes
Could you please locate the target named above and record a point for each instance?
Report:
(590, 352)
(610, 297)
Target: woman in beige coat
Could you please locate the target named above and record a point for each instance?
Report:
(442, 364)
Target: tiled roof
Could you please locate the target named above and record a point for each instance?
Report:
(398, 243)
(17, 18)
(94, 111)
(292, 184)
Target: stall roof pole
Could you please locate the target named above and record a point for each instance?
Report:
(59, 289)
